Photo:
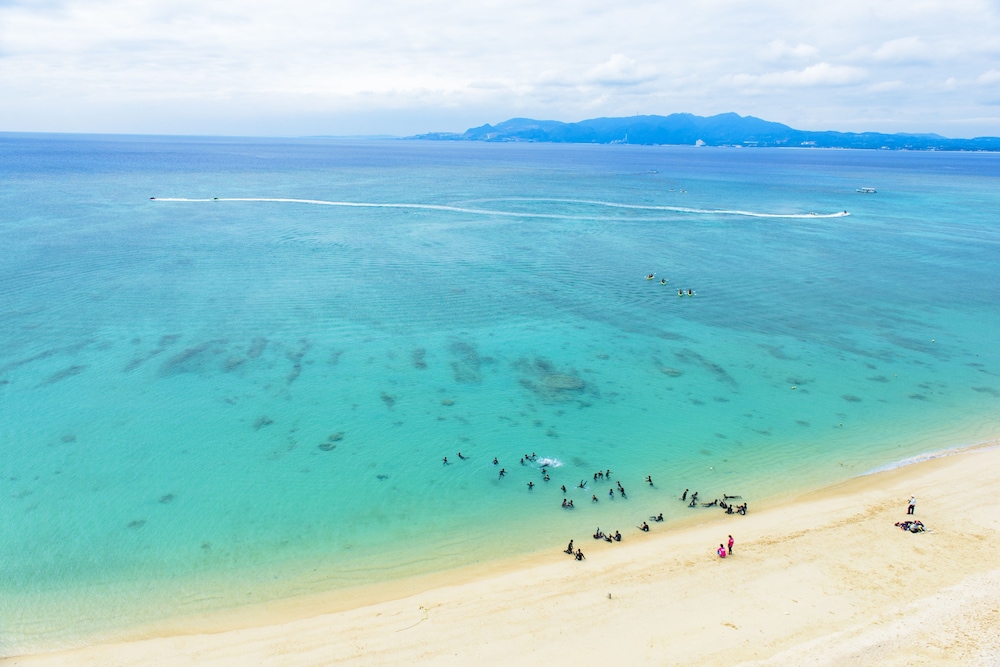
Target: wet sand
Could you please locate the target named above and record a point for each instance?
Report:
(824, 579)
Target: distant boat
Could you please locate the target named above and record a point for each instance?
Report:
(866, 191)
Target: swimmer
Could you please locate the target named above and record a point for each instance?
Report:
(607, 473)
(658, 517)
(649, 480)
(611, 493)
(693, 503)
(593, 499)
(618, 536)
(622, 491)
(563, 487)
(644, 527)
(462, 457)
(522, 461)
(546, 478)
(663, 281)
(495, 462)
(608, 538)
(650, 276)
(694, 496)
(445, 460)
(581, 485)
(564, 502)
(503, 471)
(598, 534)
(570, 504)
(569, 549)
(684, 496)
(531, 485)
(579, 554)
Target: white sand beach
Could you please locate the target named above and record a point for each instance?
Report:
(825, 579)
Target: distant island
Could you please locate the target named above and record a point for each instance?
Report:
(727, 129)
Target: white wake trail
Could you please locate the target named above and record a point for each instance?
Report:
(514, 214)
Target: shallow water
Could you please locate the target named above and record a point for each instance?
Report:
(208, 403)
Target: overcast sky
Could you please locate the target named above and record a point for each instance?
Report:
(302, 67)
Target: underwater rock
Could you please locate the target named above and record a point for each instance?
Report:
(63, 374)
(68, 437)
(232, 363)
(467, 364)
(189, 361)
(671, 372)
(720, 373)
(336, 437)
(261, 422)
(387, 399)
(851, 398)
(418, 358)
(327, 446)
(563, 382)
(447, 402)
(257, 346)
(167, 499)
(138, 523)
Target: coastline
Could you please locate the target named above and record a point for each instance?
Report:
(824, 578)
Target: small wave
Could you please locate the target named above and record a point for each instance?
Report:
(515, 214)
(930, 456)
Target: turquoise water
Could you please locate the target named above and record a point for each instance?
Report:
(210, 403)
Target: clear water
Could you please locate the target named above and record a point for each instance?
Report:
(210, 403)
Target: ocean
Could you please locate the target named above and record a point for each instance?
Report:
(243, 389)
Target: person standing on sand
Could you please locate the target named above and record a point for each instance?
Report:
(911, 508)
(731, 542)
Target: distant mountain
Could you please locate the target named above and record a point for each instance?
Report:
(727, 129)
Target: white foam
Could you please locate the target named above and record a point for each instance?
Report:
(548, 462)
(930, 456)
(514, 214)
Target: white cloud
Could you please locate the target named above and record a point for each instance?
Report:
(821, 74)
(779, 50)
(902, 51)
(989, 78)
(302, 66)
(620, 70)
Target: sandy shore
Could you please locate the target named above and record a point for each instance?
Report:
(823, 580)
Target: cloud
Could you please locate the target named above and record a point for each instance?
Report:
(131, 64)
(821, 74)
(991, 77)
(620, 70)
(779, 50)
(903, 51)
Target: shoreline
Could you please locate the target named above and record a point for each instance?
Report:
(516, 602)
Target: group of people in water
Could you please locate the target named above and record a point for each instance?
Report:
(728, 507)
(663, 281)
(602, 475)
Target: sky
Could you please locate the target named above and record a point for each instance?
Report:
(400, 67)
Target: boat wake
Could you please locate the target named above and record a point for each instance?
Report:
(513, 214)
